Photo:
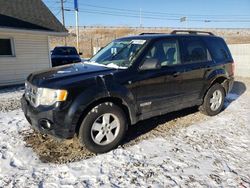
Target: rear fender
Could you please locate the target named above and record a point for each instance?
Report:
(216, 76)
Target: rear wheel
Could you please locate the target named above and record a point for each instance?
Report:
(213, 100)
(103, 128)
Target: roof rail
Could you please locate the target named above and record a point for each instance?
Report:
(191, 32)
(151, 33)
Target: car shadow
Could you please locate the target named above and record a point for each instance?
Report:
(148, 125)
(238, 89)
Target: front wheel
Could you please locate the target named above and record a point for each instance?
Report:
(213, 100)
(103, 128)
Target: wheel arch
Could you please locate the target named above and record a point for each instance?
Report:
(220, 79)
(129, 112)
(223, 80)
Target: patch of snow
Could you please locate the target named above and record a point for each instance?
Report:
(212, 153)
(10, 98)
(11, 92)
(110, 65)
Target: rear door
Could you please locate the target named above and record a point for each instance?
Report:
(196, 61)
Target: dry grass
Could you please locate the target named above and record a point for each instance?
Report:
(99, 36)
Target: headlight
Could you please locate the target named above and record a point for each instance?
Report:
(48, 97)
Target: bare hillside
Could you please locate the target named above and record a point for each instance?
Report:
(99, 36)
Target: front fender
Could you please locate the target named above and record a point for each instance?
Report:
(82, 101)
(128, 99)
(101, 90)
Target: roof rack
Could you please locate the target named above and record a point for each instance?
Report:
(191, 32)
(151, 33)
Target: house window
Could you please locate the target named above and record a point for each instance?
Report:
(6, 47)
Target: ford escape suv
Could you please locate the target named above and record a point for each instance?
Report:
(131, 79)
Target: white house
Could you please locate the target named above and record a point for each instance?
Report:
(25, 27)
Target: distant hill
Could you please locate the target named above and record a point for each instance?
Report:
(97, 36)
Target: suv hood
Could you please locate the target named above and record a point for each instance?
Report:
(69, 73)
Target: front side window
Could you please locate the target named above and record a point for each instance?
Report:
(119, 53)
(194, 51)
(166, 52)
(6, 47)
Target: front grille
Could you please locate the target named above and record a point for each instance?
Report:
(31, 93)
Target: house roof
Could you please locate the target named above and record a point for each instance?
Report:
(28, 15)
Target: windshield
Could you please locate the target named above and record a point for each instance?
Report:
(64, 51)
(119, 53)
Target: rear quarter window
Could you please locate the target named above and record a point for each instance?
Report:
(218, 49)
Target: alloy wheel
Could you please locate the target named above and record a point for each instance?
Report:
(105, 129)
(216, 100)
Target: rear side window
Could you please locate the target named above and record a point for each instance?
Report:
(194, 51)
(218, 49)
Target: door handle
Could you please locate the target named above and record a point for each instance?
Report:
(176, 74)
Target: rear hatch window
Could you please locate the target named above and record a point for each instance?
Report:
(218, 49)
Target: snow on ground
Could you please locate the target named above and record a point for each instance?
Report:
(9, 98)
(213, 153)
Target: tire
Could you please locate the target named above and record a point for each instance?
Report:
(98, 127)
(212, 105)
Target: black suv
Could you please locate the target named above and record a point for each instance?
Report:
(63, 55)
(131, 79)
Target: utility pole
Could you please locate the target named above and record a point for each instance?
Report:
(140, 18)
(77, 23)
(63, 20)
(77, 29)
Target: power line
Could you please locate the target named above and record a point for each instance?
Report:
(161, 13)
(124, 15)
(133, 15)
(154, 15)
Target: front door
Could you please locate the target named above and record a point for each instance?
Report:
(157, 89)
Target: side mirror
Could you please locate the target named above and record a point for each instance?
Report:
(80, 53)
(150, 64)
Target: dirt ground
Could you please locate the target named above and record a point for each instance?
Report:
(57, 151)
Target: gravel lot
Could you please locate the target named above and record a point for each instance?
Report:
(180, 149)
(10, 98)
(63, 151)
